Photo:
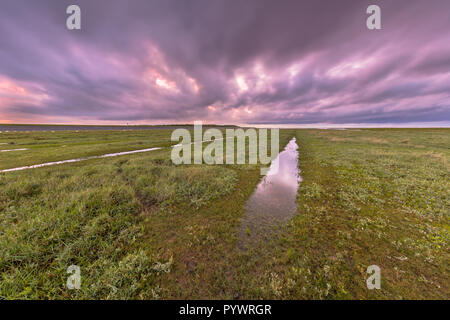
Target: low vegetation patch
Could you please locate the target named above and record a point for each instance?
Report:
(140, 227)
(367, 198)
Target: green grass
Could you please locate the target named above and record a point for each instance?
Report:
(371, 197)
(62, 145)
(142, 228)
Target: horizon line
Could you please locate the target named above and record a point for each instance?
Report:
(406, 125)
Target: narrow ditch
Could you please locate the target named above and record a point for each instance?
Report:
(273, 202)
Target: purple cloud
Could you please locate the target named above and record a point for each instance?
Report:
(254, 61)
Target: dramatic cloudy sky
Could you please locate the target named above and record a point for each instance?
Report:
(225, 61)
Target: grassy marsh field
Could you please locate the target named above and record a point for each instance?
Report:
(142, 228)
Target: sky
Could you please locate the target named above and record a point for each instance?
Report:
(261, 62)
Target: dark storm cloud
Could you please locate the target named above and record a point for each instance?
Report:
(253, 61)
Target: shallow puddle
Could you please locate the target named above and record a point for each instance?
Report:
(79, 159)
(9, 150)
(273, 202)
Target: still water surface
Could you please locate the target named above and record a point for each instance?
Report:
(273, 202)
